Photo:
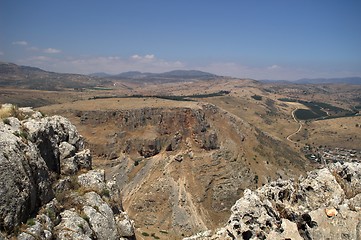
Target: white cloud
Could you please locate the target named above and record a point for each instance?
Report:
(274, 67)
(41, 58)
(148, 57)
(21, 43)
(51, 50)
(136, 57)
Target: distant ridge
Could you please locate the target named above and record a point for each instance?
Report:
(345, 80)
(175, 74)
(12, 75)
(166, 77)
(100, 74)
(348, 80)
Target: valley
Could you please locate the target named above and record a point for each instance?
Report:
(183, 151)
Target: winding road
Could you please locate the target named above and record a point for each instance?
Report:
(299, 128)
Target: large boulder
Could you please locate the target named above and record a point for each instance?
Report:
(39, 155)
(24, 178)
(32, 152)
(49, 135)
(325, 204)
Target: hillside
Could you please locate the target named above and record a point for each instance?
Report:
(183, 152)
(12, 75)
(176, 74)
(180, 165)
(166, 77)
(345, 80)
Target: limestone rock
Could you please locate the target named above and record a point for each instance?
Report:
(101, 217)
(320, 189)
(72, 226)
(125, 225)
(24, 179)
(80, 160)
(41, 154)
(48, 134)
(312, 207)
(66, 150)
(345, 225)
(93, 180)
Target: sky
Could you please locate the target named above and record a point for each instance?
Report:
(259, 39)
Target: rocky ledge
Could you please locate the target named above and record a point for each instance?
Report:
(326, 204)
(47, 186)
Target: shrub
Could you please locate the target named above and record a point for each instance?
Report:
(30, 222)
(145, 234)
(154, 236)
(84, 216)
(105, 192)
(51, 214)
(6, 121)
(257, 97)
(74, 182)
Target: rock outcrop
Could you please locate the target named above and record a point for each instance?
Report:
(323, 205)
(47, 187)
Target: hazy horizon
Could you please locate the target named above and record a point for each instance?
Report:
(279, 39)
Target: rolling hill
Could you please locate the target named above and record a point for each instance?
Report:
(13, 75)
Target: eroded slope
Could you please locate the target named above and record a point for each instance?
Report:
(180, 166)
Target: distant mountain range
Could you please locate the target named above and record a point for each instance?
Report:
(36, 78)
(346, 80)
(172, 76)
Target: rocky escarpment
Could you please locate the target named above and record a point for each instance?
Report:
(47, 187)
(182, 167)
(325, 204)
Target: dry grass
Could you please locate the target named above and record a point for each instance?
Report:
(8, 110)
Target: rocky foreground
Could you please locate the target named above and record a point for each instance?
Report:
(47, 186)
(326, 204)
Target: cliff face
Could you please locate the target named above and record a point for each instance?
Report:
(182, 168)
(47, 187)
(325, 204)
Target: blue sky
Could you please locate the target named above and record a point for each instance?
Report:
(260, 39)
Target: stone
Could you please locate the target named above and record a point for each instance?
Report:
(83, 159)
(331, 212)
(101, 217)
(320, 189)
(24, 180)
(66, 150)
(125, 225)
(48, 133)
(178, 158)
(312, 207)
(72, 226)
(93, 180)
(41, 154)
